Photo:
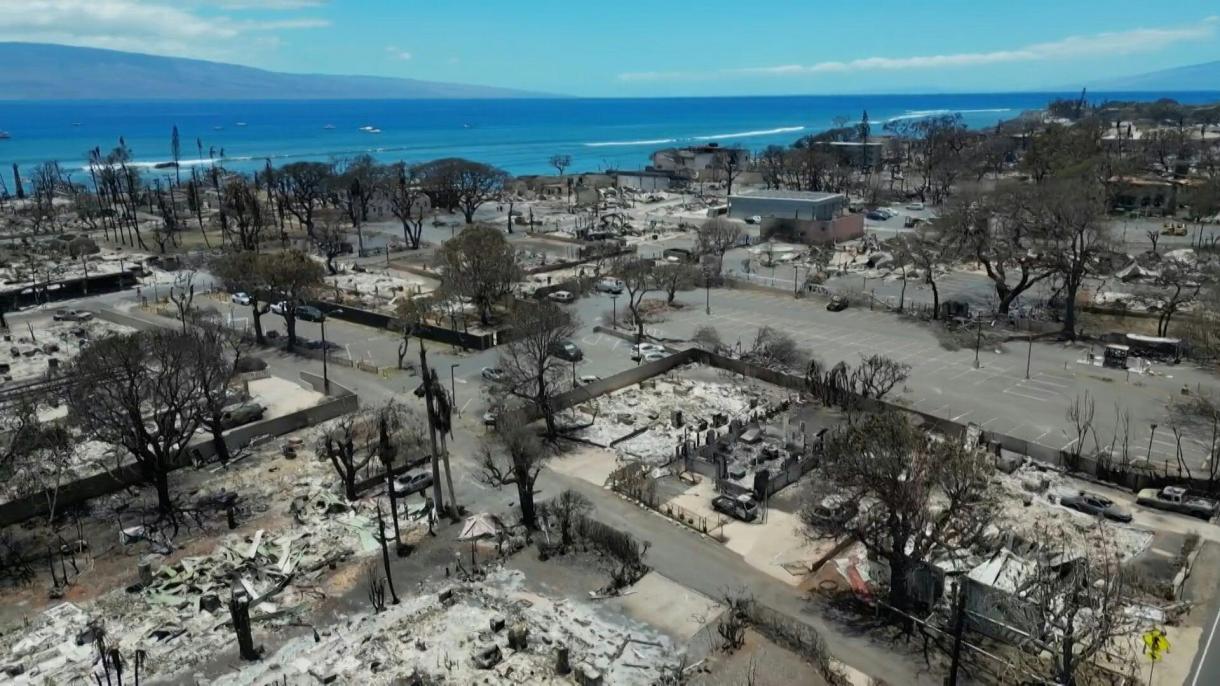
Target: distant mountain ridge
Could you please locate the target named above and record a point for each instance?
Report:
(42, 71)
(1192, 77)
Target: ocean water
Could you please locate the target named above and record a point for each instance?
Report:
(517, 135)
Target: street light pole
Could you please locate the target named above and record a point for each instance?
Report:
(614, 311)
(1150, 437)
(325, 355)
(1029, 355)
(978, 340)
(453, 387)
(707, 291)
(796, 277)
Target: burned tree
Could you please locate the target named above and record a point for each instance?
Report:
(478, 264)
(639, 278)
(303, 186)
(341, 443)
(560, 162)
(532, 370)
(242, 272)
(914, 495)
(458, 184)
(728, 164)
(877, 375)
(672, 277)
(290, 277)
(716, 236)
(513, 456)
(221, 353)
(140, 391)
(408, 202)
(246, 212)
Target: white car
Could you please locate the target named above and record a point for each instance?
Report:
(644, 349)
(241, 298)
(655, 356)
(562, 296)
(756, 219)
(917, 206)
(280, 307)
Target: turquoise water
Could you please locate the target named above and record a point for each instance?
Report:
(518, 135)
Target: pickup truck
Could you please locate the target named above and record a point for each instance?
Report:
(1175, 499)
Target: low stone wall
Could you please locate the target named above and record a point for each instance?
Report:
(95, 485)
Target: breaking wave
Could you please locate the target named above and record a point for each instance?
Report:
(655, 141)
(924, 114)
(749, 134)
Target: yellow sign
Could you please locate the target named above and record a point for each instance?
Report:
(1156, 644)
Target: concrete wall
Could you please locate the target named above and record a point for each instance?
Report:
(97, 485)
(845, 228)
(742, 206)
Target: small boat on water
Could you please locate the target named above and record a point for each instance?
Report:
(329, 126)
(76, 123)
(240, 123)
(5, 135)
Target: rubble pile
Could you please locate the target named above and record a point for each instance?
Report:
(25, 358)
(379, 290)
(662, 411)
(178, 613)
(1030, 505)
(486, 631)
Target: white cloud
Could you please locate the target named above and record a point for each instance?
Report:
(398, 54)
(139, 26)
(1102, 44)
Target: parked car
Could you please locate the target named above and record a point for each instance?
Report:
(489, 419)
(916, 206)
(279, 308)
(72, 315)
(309, 313)
(655, 356)
(562, 296)
(1175, 499)
(567, 350)
(834, 510)
(742, 507)
(493, 374)
(588, 379)
(877, 216)
(613, 286)
(639, 350)
(1094, 504)
(412, 482)
(241, 298)
(755, 219)
(317, 345)
(243, 413)
(837, 303)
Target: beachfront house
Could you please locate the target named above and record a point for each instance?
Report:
(646, 181)
(805, 217)
(698, 162)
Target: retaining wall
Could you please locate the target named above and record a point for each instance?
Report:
(105, 483)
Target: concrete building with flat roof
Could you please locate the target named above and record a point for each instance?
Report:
(809, 217)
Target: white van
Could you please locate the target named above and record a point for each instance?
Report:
(614, 286)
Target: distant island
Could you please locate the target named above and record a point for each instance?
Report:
(40, 71)
(1193, 77)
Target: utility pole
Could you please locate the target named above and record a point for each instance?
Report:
(959, 627)
(437, 494)
(1029, 355)
(978, 340)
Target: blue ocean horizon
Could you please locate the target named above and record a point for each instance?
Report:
(519, 136)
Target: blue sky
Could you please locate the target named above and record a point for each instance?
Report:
(634, 48)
